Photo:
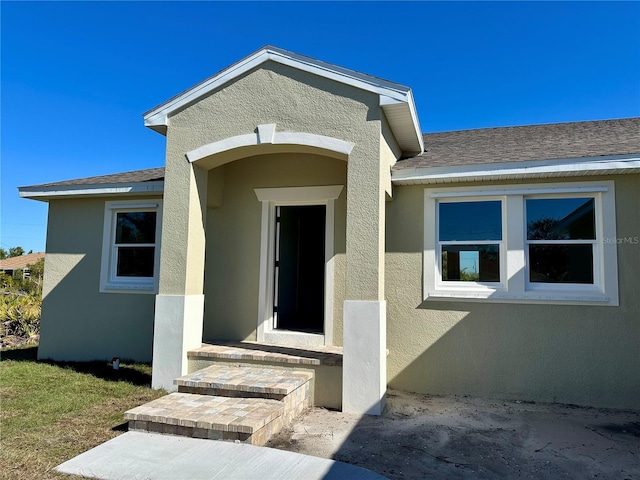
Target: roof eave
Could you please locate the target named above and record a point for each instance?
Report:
(44, 194)
(403, 120)
(573, 167)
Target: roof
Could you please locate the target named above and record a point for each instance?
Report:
(530, 142)
(149, 181)
(532, 151)
(20, 262)
(395, 100)
(137, 176)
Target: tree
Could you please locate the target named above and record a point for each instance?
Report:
(16, 252)
(36, 274)
(545, 229)
(3, 254)
(37, 269)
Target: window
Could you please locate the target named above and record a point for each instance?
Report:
(470, 235)
(131, 247)
(522, 243)
(561, 236)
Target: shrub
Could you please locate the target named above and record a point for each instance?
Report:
(20, 307)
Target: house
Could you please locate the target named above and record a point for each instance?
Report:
(301, 205)
(8, 266)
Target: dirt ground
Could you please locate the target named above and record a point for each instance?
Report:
(421, 436)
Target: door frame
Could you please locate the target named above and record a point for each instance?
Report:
(293, 196)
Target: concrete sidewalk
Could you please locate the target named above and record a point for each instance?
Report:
(148, 456)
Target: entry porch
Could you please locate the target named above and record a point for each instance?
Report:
(277, 173)
(244, 391)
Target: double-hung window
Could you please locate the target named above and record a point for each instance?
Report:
(131, 247)
(561, 241)
(470, 239)
(522, 243)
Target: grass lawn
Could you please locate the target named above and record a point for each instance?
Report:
(51, 412)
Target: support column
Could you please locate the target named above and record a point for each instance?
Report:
(364, 370)
(180, 300)
(177, 329)
(364, 363)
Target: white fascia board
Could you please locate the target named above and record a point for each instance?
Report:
(333, 72)
(44, 193)
(339, 74)
(519, 170)
(157, 118)
(416, 121)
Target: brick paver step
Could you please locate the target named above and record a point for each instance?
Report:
(246, 381)
(261, 352)
(251, 420)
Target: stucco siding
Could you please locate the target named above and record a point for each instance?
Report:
(552, 353)
(389, 153)
(232, 272)
(294, 101)
(79, 322)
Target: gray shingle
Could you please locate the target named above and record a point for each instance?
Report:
(531, 142)
(475, 147)
(137, 176)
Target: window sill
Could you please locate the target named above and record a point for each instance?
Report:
(147, 288)
(547, 298)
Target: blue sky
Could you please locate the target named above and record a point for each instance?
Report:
(76, 76)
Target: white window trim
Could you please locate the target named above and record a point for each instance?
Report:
(109, 283)
(270, 198)
(514, 286)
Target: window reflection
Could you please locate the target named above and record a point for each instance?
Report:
(561, 219)
(471, 263)
(136, 227)
(135, 262)
(557, 263)
(470, 221)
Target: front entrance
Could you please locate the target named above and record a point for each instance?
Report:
(299, 268)
(295, 303)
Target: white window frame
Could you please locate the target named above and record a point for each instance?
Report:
(109, 281)
(463, 286)
(514, 285)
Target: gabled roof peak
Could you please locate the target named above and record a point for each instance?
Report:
(395, 99)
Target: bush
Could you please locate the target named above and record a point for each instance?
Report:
(21, 306)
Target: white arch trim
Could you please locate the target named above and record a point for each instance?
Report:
(266, 134)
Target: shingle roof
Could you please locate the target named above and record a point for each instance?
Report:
(531, 142)
(476, 147)
(137, 176)
(22, 261)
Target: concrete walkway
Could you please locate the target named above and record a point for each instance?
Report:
(149, 456)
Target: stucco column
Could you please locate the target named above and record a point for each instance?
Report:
(180, 300)
(364, 330)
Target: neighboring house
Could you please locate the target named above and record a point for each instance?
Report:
(9, 265)
(300, 204)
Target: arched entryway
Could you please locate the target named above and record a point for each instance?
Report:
(272, 228)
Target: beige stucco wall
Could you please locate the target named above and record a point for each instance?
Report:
(232, 271)
(390, 152)
(79, 322)
(296, 102)
(586, 355)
